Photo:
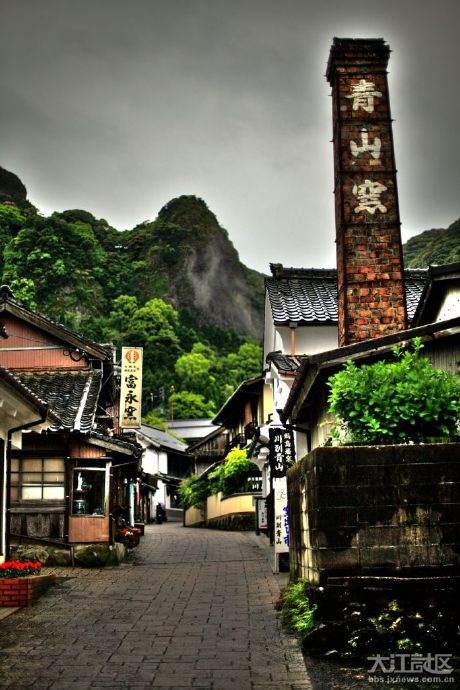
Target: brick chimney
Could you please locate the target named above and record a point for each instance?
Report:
(370, 275)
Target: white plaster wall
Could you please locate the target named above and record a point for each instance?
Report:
(321, 430)
(150, 460)
(301, 448)
(309, 340)
(281, 392)
(163, 462)
(450, 307)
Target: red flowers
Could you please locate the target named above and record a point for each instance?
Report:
(19, 569)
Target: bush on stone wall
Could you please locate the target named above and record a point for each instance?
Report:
(395, 401)
(229, 477)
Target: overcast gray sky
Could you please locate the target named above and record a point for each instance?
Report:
(117, 106)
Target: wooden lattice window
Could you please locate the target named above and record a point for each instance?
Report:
(37, 479)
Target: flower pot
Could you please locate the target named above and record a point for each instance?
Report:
(23, 591)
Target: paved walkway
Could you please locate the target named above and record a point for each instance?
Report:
(194, 609)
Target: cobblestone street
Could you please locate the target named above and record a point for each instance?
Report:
(191, 609)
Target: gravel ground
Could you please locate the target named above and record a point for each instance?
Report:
(335, 675)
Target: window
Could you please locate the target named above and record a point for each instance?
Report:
(37, 479)
(88, 488)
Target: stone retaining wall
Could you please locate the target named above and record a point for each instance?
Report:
(386, 510)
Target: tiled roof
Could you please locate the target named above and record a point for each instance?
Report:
(71, 395)
(13, 381)
(303, 295)
(287, 364)
(115, 443)
(414, 280)
(162, 438)
(309, 295)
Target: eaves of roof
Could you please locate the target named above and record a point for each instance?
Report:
(436, 285)
(12, 306)
(115, 444)
(170, 479)
(14, 382)
(303, 296)
(318, 367)
(245, 390)
(206, 439)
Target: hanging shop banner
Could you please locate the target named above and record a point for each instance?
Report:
(131, 387)
(281, 515)
(282, 451)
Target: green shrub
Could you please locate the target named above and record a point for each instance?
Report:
(230, 476)
(395, 401)
(193, 491)
(297, 614)
(414, 622)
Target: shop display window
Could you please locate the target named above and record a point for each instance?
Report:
(88, 491)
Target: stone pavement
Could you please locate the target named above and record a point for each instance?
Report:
(191, 609)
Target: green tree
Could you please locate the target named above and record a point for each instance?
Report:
(154, 327)
(237, 367)
(194, 371)
(63, 260)
(152, 418)
(193, 491)
(118, 324)
(244, 364)
(186, 405)
(24, 290)
(11, 219)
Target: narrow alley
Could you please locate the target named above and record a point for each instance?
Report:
(191, 609)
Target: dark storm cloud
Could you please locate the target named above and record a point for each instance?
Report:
(116, 107)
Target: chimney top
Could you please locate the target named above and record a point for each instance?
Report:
(351, 52)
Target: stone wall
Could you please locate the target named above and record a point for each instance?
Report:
(381, 510)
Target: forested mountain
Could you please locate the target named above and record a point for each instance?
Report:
(174, 286)
(437, 246)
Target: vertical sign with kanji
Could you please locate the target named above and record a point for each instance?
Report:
(281, 451)
(281, 515)
(370, 280)
(131, 387)
(262, 520)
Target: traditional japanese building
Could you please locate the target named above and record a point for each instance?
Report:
(64, 478)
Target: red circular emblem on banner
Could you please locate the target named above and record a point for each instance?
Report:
(132, 356)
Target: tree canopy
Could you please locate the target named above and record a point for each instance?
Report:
(109, 286)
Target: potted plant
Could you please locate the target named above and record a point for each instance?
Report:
(21, 582)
